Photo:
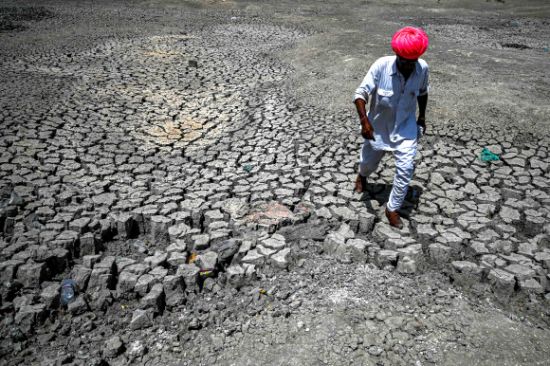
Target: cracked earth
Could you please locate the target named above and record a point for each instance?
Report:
(190, 166)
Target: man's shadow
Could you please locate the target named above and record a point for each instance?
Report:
(380, 192)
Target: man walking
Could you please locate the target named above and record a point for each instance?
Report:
(396, 84)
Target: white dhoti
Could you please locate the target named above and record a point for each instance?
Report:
(404, 168)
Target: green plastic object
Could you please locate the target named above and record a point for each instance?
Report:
(248, 168)
(487, 155)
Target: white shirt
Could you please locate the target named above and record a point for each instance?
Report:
(392, 111)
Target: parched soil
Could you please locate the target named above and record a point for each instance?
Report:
(190, 165)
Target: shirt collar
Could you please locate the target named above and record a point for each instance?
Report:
(394, 66)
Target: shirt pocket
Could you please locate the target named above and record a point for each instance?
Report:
(384, 98)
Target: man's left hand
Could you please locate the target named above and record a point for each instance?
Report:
(421, 121)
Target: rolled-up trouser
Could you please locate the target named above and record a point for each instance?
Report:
(404, 163)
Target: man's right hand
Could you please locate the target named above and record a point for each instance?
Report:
(366, 129)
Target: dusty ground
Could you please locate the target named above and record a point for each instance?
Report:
(190, 165)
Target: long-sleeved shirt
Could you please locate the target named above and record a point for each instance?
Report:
(392, 111)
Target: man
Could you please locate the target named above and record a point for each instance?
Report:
(396, 84)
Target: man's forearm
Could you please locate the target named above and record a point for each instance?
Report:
(360, 105)
(422, 103)
(366, 128)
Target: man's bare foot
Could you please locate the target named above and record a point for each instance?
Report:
(394, 219)
(360, 184)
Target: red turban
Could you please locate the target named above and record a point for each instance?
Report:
(409, 42)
